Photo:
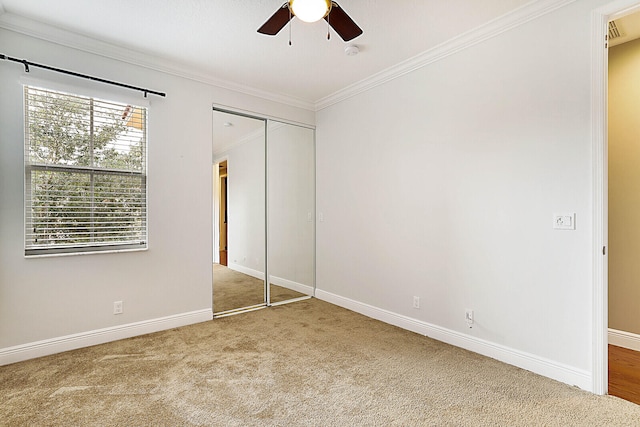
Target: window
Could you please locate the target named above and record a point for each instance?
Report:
(85, 174)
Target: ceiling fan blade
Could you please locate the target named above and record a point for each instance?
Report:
(342, 23)
(277, 21)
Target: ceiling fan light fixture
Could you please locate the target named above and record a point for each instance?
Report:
(310, 10)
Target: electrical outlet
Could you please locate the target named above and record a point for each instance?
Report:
(566, 221)
(468, 316)
(416, 302)
(117, 307)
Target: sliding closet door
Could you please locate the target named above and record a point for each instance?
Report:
(239, 267)
(291, 211)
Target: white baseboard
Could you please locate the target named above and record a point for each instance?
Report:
(245, 270)
(624, 339)
(294, 286)
(100, 336)
(539, 365)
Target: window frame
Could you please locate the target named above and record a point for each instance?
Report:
(92, 171)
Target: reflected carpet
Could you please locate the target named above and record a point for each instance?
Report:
(232, 290)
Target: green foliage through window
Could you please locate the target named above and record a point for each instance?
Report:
(85, 173)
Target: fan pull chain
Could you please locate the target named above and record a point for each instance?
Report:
(328, 26)
(290, 26)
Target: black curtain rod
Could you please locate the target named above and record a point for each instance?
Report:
(84, 76)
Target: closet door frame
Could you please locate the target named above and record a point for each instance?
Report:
(267, 288)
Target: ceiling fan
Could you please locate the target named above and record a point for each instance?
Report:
(312, 11)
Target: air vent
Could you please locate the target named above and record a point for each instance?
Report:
(614, 32)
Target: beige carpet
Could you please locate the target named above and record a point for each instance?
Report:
(233, 290)
(307, 363)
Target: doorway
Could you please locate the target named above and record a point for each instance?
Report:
(222, 223)
(600, 18)
(623, 206)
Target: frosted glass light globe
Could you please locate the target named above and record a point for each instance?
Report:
(310, 10)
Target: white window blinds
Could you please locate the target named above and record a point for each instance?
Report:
(85, 174)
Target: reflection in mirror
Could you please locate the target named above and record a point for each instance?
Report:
(291, 207)
(239, 261)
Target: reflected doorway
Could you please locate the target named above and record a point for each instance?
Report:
(222, 168)
(239, 268)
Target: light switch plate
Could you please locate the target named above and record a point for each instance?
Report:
(564, 221)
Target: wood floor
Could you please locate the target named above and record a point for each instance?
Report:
(624, 373)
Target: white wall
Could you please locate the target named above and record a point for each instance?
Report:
(48, 298)
(442, 184)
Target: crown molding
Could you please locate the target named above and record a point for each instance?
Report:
(516, 18)
(29, 27)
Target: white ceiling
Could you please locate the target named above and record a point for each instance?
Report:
(218, 38)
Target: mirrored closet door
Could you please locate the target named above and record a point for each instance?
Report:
(239, 261)
(264, 212)
(290, 211)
